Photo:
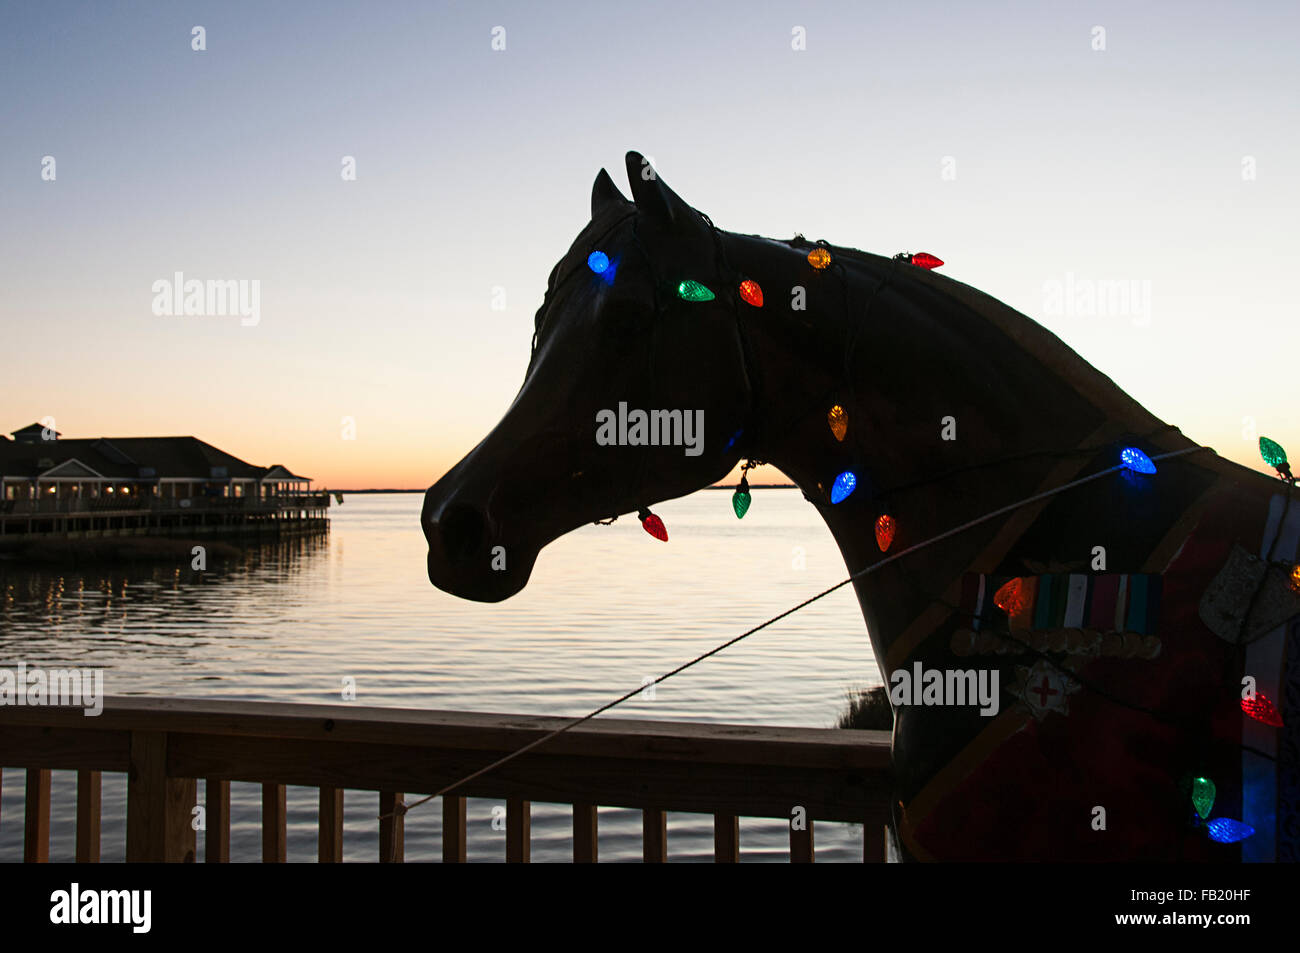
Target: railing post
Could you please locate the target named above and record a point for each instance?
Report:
(801, 844)
(88, 804)
(584, 833)
(726, 839)
(158, 808)
(874, 832)
(654, 836)
(274, 834)
(453, 829)
(216, 839)
(36, 830)
(518, 830)
(329, 839)
(392, 828)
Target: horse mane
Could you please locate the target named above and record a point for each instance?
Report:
(1036, 341)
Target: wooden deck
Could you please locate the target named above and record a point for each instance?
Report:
(165, 745)
(89, 518)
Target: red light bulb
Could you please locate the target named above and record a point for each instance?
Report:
(653, 525)
(1010, 597)
(751, 293)
(926, 260)
(885, 526)
(1261, 709)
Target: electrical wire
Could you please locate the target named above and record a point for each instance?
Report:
(402, 809)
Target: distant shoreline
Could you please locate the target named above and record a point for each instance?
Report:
(727, 486)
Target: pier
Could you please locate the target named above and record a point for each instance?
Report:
(73, 489)
(76, 517)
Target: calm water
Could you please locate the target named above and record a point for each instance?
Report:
(606, 607)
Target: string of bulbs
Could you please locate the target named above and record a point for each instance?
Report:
(1202, 789)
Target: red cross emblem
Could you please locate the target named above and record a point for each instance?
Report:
(1043, 691)
(1044, 687)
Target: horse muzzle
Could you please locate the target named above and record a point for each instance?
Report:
(468, 556)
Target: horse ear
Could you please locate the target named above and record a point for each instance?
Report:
(604, 193)
(653, 197)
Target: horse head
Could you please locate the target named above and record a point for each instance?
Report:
(615, 338)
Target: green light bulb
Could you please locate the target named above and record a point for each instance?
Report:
(1272, 452)
(740, 500)
(1203, 796)
(693, 291)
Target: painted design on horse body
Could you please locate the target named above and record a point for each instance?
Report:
(1288, 753)
(1076, 616)
(1043, 689)
(1111, 615)
(1254, 789)
(1269, 785)
(1249, 585)
(1084, 643)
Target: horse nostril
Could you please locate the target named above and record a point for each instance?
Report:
(461, 528)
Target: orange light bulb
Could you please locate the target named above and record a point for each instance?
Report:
(838, 418)
(819, 258)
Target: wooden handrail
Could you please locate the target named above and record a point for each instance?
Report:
(160, 505)
(165, 744)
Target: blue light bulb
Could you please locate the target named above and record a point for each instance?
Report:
(598, 261)
(1227, 831)
(845, 484)
(1131, 458)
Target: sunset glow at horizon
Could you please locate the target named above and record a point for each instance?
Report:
(1070, 167)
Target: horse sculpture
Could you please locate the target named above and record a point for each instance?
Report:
(1124, 619)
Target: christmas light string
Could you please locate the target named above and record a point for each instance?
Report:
(992, 624)
(1259, 707)
(402, 809)
(822, 260)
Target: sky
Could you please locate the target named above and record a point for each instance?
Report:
(999, 137)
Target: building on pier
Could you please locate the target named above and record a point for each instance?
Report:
(106, 485)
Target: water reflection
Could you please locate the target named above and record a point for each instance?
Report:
(607, 606)
(51, 614)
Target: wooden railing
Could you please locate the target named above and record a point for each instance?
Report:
(165, 504)
(165, 745)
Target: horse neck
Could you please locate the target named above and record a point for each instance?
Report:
(930, 355)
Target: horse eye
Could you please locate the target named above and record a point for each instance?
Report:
(598, 262)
